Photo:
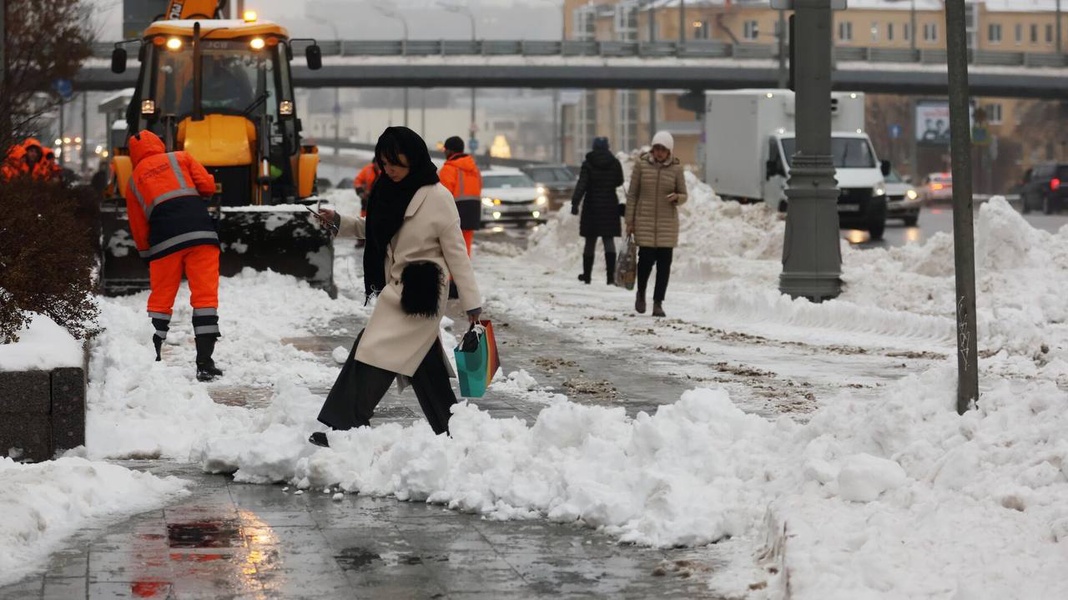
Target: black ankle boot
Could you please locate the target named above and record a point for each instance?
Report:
(610, 266)
(158, 345)
(319, 439)
(587, 267)
(206, 369)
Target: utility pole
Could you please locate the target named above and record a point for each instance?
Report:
(963, 228)
(85, 130)
(681, 22)
(912, 30)
(781, 35)
(652, 21)
(1060, 49)
(812, 260)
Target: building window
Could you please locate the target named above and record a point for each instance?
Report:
(845, 31)
(1019, 33)
(908, 32)
(993, 114)
(930, 32)
(875, 32)
(1034, 33)
(751, 30)
(889, 32)
(1049, 34)
(993, 33)
(701, 30)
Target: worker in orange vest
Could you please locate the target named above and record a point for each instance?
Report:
(167, 205)
(363, 183)
(461, 176)
(14, 163)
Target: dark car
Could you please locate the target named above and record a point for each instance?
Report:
(557, 180)
(345, 183)
(1045, 187)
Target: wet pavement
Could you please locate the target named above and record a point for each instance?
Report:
(238, 541)
(231, 540)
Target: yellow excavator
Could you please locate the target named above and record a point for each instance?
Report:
(222, 90)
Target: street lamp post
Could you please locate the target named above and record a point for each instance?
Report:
(393, 14)
(337, 91)
(457, 8)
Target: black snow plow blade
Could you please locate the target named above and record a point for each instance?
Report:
(282, 238)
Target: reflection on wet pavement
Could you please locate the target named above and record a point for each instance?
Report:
(235, 541)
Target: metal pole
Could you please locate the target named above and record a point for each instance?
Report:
(422, 125)
(1059, 47)
(912, 31)
(337, 121)
(652, 22)
(963, 232)
(652, 113)
(812, 260)
(682, 22)
(474, 125)
(781, 35)
(556, 124)
(62, 136)
(85, 130)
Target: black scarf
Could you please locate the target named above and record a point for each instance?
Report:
(389, 200)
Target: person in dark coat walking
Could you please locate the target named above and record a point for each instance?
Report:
(601, 174)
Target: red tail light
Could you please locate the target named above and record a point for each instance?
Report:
(1054, 184)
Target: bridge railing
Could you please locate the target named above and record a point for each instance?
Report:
(659, 49)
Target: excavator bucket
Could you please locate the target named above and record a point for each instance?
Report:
(283, 238)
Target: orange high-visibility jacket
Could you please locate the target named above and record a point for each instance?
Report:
(15, 163)
(164, 199)
(460, 175)
(366, 178)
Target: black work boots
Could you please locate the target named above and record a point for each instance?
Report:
(206, 369)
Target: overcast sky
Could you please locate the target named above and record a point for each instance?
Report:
(426, 19)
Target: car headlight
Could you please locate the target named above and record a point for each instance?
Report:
(541, 200)
(879, 191)
(912, 195)
(486, 201)
(542, 190)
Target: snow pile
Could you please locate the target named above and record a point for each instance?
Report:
(138, 408)
(45, 503)
(42, 345)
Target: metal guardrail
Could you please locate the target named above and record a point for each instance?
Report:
(660, 49)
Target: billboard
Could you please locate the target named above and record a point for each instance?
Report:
(932, 121)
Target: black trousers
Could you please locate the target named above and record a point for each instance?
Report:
(360, 387)
(607, 241)
(661, 257)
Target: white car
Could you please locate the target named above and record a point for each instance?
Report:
(902, 200)
(511, 196)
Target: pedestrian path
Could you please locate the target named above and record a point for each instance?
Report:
(237, 541)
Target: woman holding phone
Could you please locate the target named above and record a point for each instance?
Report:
(657, 189)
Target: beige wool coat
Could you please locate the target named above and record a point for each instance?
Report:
(655, 219)
(394, 340)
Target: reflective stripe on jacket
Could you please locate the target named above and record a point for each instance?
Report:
(164, 199)
(460, 175)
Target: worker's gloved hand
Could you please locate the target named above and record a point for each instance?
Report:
(574, 208)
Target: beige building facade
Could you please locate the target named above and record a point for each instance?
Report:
(626, 118)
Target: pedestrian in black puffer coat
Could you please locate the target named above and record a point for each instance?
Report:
(600, 176)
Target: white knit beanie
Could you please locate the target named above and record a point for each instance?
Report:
(664, 139)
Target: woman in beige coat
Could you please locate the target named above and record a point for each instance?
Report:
(413, 241)
(657, 189)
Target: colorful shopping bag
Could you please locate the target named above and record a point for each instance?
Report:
(627, 265)
(477, 360)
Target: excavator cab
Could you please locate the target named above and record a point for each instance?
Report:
(221, 90)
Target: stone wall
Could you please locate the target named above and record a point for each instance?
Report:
(42, 413)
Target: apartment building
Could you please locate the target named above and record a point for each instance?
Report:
(627, 117)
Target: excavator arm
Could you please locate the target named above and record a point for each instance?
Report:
(195, 9)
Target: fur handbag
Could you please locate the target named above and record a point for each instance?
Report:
(421, 284)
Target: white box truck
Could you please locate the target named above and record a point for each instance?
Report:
(750, 144)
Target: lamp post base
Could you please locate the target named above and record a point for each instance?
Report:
(811, 256)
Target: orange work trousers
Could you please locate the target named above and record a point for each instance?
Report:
(469, 236)
(199, 264)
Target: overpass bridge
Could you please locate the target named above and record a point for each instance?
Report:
(637, 65)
